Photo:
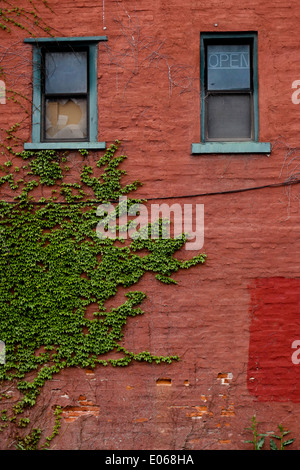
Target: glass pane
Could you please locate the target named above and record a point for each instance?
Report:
(66, 72)
(228, 67)
(229, 116)
(66, 119)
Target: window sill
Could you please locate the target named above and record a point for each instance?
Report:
(231, 147)
(65, 145)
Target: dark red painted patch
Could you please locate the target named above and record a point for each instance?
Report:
(273, 369)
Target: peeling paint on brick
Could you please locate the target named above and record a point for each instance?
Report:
(225, 378)
(83, 408)
(164, 381)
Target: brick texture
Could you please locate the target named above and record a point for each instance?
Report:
(149, 98)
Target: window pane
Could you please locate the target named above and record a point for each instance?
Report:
(229, 116)
(66, 72)
(66, 119)
(228, 67)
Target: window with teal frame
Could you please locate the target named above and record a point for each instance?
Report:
(65, 104)
(229, 94)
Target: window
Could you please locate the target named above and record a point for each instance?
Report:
(65, 109)
(65, 95)
(229, 94)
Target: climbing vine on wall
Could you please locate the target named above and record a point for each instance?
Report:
(54, 268)
(11, 15)
(57, 275)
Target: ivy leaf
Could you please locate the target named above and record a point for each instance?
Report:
(273, 445)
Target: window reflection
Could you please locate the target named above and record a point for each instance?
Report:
(66, 72)
(229, 116)
(228, 67)
(66, 119)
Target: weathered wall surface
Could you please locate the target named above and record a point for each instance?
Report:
(233, 320)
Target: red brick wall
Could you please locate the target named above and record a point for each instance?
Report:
(217, 318)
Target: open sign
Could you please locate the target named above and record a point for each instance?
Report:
(228, 66)
(229, 60)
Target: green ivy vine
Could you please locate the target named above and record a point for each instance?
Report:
(54, 266)
(11, 15)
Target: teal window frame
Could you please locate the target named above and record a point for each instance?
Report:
(92, 44)
(248, 146)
